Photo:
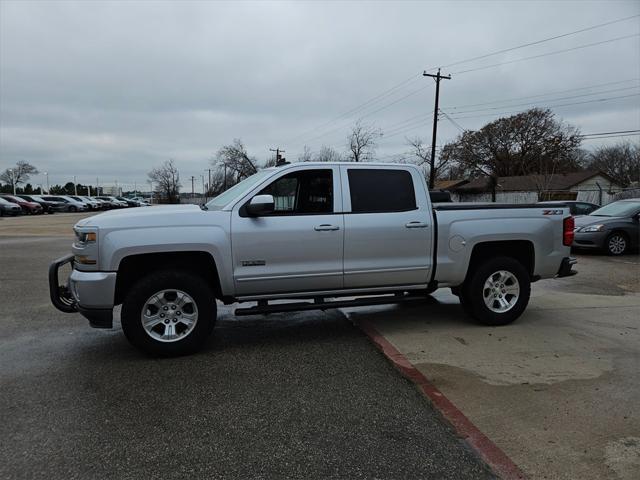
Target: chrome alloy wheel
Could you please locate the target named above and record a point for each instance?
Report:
(617, 244)
(169, 315)
(501, 291)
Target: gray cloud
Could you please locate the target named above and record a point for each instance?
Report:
(110, 89)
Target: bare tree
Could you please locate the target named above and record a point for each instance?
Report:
(236, 160)
(621, 162)
(167, 178)
(327, 154)
(421, 153)
(306, 155)
(361, 142)
(18, 174)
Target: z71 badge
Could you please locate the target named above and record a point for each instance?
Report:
(552, 212)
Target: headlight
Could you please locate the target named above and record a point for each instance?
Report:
(592, 228)
(86, 237)
(85, 248)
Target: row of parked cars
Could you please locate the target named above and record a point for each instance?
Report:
(38, 204)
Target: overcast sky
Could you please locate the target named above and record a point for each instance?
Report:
(110, 89)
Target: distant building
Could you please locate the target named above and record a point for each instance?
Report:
(588, 186)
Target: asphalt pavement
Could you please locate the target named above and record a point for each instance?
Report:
(283, 396)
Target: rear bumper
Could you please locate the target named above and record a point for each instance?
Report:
(566, 266)
(89, 293)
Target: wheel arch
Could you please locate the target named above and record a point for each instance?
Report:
(521, 250)
(133, 267)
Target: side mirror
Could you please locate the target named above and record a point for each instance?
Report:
(260, 205)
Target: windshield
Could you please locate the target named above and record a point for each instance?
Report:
(237, 190)
(617, 209)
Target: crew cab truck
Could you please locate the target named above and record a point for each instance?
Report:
(313, 234)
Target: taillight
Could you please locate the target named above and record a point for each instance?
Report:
(568, 225)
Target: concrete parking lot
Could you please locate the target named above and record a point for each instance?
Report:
(307, 395)
(558, 391)
(284, 396)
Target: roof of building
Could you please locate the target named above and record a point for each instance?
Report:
(447, 184)
(558, 181)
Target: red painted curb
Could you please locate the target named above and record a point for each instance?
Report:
(497, 460)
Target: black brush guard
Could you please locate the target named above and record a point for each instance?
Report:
(61, 296)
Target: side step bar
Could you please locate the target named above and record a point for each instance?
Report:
(323, 304)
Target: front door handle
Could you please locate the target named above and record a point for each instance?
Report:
(325, 227)
(417, 225)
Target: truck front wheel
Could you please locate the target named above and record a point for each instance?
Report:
(497, 292)
(169, 313)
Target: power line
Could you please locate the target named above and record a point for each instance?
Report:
(492, 102)
(537, 42)
(414, 125)
(556, 52)
(545, 101)
(455, 124)
(385, 94)
(609, 133)
(313, 139)
(613, 136)
(554, 106)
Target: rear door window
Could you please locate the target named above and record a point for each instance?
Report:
(380, 190)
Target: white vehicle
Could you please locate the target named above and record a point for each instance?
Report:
(71, 204)
(90, 204)
(95, 204)
(312, 233)
(115, 203)
(102, 203)
(143, 202)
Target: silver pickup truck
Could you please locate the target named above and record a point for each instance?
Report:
(311, 236)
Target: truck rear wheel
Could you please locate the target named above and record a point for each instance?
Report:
(169, 313)
(497, 292)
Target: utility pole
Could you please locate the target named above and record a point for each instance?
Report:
(209, 184)
(192, 190)
(75, 186)
(279, 159)
(13, 181)
(432, 163)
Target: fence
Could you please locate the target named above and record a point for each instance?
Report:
(599, 197)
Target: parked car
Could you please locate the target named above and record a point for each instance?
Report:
(90, 204)
(48, 206)
(129, 202)
(614, 228)
(9, 208)
(31, 208)
(577, 208)
(71, 205)
(314, 231)
(115, 203)
(102, 204)
(96, 204)
(144, 202)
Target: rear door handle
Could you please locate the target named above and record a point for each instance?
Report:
(417, 225)
(325, 227)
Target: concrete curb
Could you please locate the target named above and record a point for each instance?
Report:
(497, 460)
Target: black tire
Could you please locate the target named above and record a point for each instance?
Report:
(73, 209)
(472, 294)
(194, 286)
(616, 244)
